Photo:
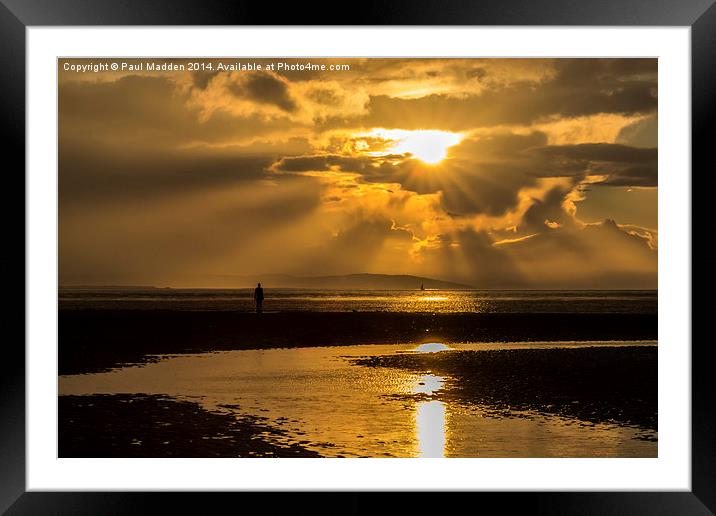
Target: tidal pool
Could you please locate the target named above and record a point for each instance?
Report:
(324, 401)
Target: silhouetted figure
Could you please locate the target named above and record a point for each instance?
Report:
(259, 298)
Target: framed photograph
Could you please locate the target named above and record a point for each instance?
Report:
(445, 248)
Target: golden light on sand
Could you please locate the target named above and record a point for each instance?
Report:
(426, 145)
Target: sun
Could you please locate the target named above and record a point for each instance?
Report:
(428, 146)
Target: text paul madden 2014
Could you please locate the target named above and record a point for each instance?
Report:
(205, 66)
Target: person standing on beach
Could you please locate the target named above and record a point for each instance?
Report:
(259, 298)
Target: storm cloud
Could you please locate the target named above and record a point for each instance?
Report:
(499, 173)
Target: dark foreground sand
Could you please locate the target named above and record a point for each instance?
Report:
(615, 384)
(121, 425)
(96, 340)
(597, 384)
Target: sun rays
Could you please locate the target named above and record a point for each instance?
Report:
(429, 146)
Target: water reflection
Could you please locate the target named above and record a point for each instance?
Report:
(431, 347)
(430, 422)
(430, 418)
(442, 302)
(429, 384)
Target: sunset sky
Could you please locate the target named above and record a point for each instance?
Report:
(498, 173)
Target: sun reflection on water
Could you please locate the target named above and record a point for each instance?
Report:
(432, 298)
(430, 422)
(429, 384)
(430, 418)
(431, 347)
(439, 301)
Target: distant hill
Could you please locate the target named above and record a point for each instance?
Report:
(108, 287)
(346, 282)
(349, 282)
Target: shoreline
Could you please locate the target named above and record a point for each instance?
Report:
(597, 384)
(98, 340)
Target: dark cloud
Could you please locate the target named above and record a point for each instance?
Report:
(596, 256)
(98, 174)
(356, 248)
(201, 79)
(140, 113)
(606, 152)
(642, 133)
(325, 96)
(476, 73)
(325, 162)
(265, 88)
(490, 189)
(548, 209)
(501, 146)
(468, 256)
(129, 103)
(624, 165)
(580, 87)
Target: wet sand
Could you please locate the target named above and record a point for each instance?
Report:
(597, 384)
(158, 426)
(371, 401)
(97, 340)
(154, 415)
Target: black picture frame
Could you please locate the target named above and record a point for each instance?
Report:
(17, 15)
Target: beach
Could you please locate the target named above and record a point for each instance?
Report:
(218, 383)
(596, 384)
(96, 340)
(158, 426)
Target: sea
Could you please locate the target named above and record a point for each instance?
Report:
(430, 301)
